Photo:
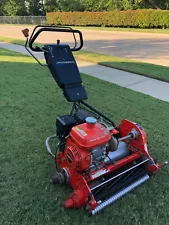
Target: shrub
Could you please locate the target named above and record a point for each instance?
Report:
(131, 18)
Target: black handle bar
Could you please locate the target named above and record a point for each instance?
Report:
(54, 29)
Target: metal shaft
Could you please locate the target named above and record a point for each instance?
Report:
(99, 113)
(120, 194)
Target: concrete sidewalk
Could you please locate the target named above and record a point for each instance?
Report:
(145, 85)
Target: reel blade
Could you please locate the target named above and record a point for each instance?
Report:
(119, 194)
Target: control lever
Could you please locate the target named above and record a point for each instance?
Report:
(26, 34)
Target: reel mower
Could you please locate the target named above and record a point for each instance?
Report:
(100, 160)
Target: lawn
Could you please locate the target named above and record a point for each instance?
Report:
(12, 40)
(140, 30)
(146, 69)
(30, 101)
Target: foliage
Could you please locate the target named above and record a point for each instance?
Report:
(130, 18)
(35, 7)
(155, 4)
(2, 7)
(104, 5)
(21, 7)
(38, 7)
(12, 7)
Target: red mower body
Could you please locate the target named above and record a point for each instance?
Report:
(77, 158)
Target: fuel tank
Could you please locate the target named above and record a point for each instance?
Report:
(90, 134)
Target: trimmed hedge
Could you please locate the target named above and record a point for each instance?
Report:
(131, 18)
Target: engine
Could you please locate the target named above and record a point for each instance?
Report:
(89, 147)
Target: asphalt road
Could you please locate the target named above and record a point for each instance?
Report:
(145, 47)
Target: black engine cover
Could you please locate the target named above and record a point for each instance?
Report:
(64, 125)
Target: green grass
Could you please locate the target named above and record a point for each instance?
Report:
(139, 30)
(163, 31)
(146, 69)
(12, 40)
(12, 24)
(16, 41)
(30, 101)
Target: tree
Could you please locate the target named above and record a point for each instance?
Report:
(127, 4)
(2, 7)
(90, 5)
(12, 7)
(63, 5)
(51, 5)
(103, 5)
(154, 4)
(35, 7)
(38, 7)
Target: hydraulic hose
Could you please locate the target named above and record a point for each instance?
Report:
(47, 145)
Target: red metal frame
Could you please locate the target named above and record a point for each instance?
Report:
(79, 179)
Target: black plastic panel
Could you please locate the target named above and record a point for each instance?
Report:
(75, 93)
(62, 65)
(64, 70)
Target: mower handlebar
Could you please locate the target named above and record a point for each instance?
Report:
(47, 28)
